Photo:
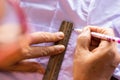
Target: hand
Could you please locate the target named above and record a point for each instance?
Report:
(95, 59)
(13, 56)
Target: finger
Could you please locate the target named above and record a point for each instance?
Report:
(36, 51)
(107, 31)
(102, 30)
(84, 39)
(40, 37)
(26, 67)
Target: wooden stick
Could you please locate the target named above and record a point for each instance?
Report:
(55, 61)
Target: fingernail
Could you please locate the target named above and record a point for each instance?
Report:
(60, 48)
(60, 35)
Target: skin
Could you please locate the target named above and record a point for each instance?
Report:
(15, 47)
(13, 58)
(95, 59)
(2, 9)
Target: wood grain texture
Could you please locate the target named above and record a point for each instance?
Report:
(55, 62)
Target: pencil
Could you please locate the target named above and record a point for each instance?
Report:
(101, 36)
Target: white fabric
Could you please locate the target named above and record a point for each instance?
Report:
(47, 15)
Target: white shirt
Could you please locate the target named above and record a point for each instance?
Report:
(47, 15)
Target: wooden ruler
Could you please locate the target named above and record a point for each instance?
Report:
(55, 61)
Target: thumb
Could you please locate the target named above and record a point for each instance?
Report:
(84, 39)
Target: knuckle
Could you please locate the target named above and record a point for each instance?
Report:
(45, 51)
(26, 52)
(45, 37)
(50, 51)
(109, 51)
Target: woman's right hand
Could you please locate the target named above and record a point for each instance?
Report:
(95, 59)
